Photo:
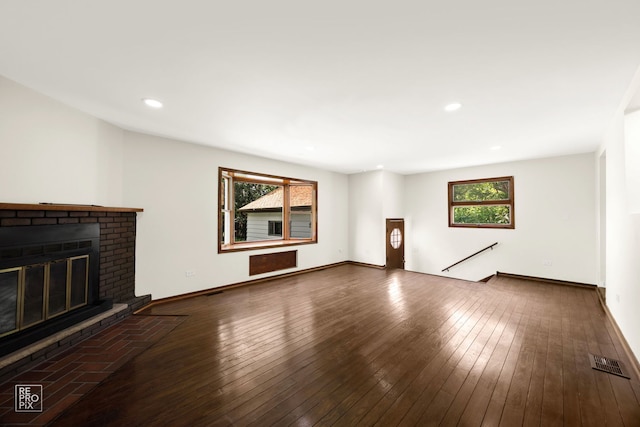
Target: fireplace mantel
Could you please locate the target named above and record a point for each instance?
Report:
(64, 207)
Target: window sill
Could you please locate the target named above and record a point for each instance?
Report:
(505, 226)
(248, 246)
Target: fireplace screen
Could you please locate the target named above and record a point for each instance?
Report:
(34, 293)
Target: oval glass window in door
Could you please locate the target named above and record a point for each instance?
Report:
(396, 238)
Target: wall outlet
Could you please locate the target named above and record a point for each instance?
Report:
(547, 262)
(189, 273)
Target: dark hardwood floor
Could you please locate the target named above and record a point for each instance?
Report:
(353, 345)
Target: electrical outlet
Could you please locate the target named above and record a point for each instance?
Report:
(189, 273)
(547, 262)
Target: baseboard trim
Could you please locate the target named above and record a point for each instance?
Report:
(625, 345)
(238, 285)
(545, 280)
(364, 264)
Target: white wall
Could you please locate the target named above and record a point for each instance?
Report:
(622, 227)
(601, 207)
(373, 197)
(632, 159)
(53, 153)
(176, 184)
(392, 195)
(366, 229)
(555, 219)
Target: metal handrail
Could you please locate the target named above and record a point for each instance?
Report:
(470, 256)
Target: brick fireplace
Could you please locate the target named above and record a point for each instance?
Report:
(115, 239)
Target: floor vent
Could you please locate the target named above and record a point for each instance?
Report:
(606, 364)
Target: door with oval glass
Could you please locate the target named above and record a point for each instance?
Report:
(395, 243)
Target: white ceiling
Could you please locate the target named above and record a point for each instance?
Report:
(341, 85)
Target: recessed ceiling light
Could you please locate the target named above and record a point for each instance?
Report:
(453, 106)
(311, 148)
(496, 147)
(379, 166)
(153, 103)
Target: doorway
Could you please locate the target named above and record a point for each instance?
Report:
(395, 243)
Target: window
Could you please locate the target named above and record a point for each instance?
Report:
(258, 211)
(275, 228)
(486, 203)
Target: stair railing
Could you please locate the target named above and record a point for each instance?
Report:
(470, 256)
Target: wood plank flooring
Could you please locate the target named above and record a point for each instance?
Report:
(352, 345)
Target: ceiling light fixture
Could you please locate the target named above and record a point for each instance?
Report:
(153, 103)
(380, 167)
(496, 147)
(452, 107)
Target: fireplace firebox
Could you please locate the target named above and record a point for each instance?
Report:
(49, 280)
